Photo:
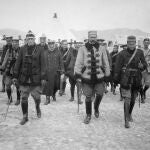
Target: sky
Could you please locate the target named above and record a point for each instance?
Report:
(75, 14)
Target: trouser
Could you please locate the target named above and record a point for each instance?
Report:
(3, 81)
(35, 93)
(72, 86)
(129, 96)
(63, 84)
(8, 83)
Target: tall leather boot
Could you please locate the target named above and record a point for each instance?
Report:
(9, 96)
(18, 97)
(88, 105)
(126, 113)
(132, 103)
(47, 100)
(3, 84)
(144, 93)
(24, 106)
(96, 105)
(72, 88)
(37, 105)
(63, 88)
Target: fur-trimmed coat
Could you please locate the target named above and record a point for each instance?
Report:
(85, 67)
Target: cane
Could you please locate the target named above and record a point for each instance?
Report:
(5, 114)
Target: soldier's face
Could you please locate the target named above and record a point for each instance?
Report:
(146, 43)
(92, 39)
(115, 49)
(51, 46)
(9, 41)
(131, 45)
(64, 45)
(42, 41)
(30, 41)
(15, 44)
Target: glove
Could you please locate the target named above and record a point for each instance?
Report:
(43, 83)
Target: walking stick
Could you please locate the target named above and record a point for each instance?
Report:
(78, 93)
(5, 114)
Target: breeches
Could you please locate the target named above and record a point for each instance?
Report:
(35, 92)
(90, 90)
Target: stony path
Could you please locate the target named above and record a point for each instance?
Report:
(61, 127)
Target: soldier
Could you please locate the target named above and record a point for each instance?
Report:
(91, 67)
(70, 63)
(8, 60)
(146, 73)
(55, 71)
(129, 65)
(30, 72)
(43, 42)
(16, 48)
(113, 56)
(5, 48)
(64, 52)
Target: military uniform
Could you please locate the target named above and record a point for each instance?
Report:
(129, 77)
(9, 57)
(30, 71)
(91, 67)
(64, 53)
(146, 73)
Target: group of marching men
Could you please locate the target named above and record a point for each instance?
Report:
(44, 68)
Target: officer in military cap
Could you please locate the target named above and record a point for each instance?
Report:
(129, 65)
(90, 68)
(8, 45)
(7, 62)
(30, 72)
(43, 42)
(64, 52)
(146, 72)
(16, 50)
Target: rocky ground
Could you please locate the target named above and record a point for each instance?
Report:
(61, 127)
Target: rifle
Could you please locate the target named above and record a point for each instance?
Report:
(79, 93)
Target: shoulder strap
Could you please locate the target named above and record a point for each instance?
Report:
(133, 55)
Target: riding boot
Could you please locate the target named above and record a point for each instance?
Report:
(18, 98)
(63, 88)
(37, 105)
(126, 113)
(144, 92)
(9, 96)
(24, 106)
(47, 100)
(132, 103)
(3, 85)
(88, 105)
(96, 105)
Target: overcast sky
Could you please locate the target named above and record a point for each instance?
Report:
(76, 14)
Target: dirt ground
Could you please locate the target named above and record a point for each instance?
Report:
(61, 127)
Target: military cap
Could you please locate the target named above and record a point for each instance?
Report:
(92, 34)
(30, 34)
(123, 46)
(5, 37)
(146, 39)
(43, 36)
(131, 38)
(50, 41)
(100, 40)
(63, 41)
(17, 38)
